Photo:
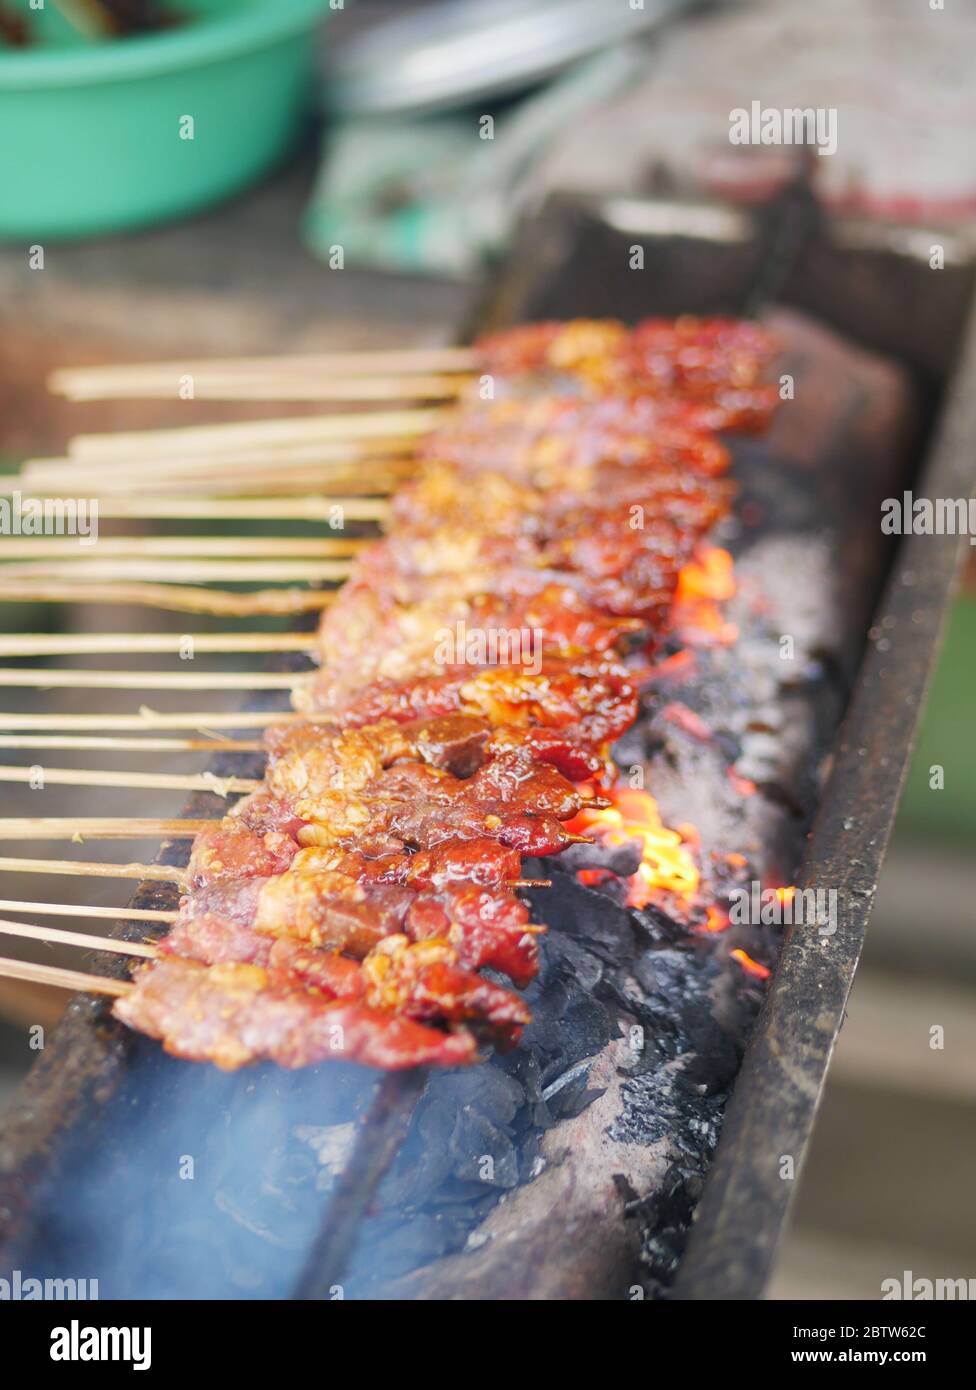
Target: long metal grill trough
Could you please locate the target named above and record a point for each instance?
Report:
(572, 1168)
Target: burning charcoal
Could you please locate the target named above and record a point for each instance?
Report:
(728, 745)
(565, 955)
(589, 916)
(483, 1153)
(567, 1026)
(622, 860)
(523, 1066)
(661, 928)
(714, 1061)
(569, 1094)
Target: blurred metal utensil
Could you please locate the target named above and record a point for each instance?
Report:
(449, 54)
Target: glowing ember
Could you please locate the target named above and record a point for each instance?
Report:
(703, 583)
(715, 920)
(785, 895)
(678, 666)
(742, 784)
(666, 862)
(677, 713)
(750, 966)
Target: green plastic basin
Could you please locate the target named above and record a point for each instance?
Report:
(94, 136)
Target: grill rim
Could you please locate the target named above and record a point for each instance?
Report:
(743, 1210)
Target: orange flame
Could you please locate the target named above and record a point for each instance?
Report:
(666, 864)
(750, 966)
(707, 580)
(715, 920)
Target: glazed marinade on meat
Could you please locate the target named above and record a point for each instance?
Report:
(346, 909)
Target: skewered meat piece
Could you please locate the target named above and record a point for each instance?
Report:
(387, 829)
(540, 441)
(440, 499)
(349, 904)
(604, 544)
(232, 850)
(394, 631)
(484, 863)
(688, 361)
(330, 910)
(214, 938)
(235, 1014)
(594, 698)
(306, 759)
(461, 900)
(423, 980)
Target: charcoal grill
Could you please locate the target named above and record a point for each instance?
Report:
(164, 1180)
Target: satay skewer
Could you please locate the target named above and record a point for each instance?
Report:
(93, 868)
(306, 458)
(75, 980)
(156, 872)
(156, 643)
(81, 828)
(208, 384)
(148, 781)
(183, 547)
(267, 475)
(81, 679)
(299, 507)
(173, 598)
(101, 383)
(110, 914)
(146, 718)
(203, 440)
(85, 567)
(54, 936)
(92, 742)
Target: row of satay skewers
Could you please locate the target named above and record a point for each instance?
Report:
(348, 903)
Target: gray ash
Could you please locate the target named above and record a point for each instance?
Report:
(476, 1134)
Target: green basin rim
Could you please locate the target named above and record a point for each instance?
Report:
(208, 39)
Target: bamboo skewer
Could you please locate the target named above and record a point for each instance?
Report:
(163, 570)
(75, 980)
(101, 383)
(155, 643)
(174, 598)
(309, 507)
(147, 680)
(159, 872)
(92, 742)
(324, 458)
(92, 868)
(204, 440)
(81, 828)
(109, 914)
(54, 935)
(154, 781)
(373, 479)
(210, 385)
(291, 547)
(147, 718)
